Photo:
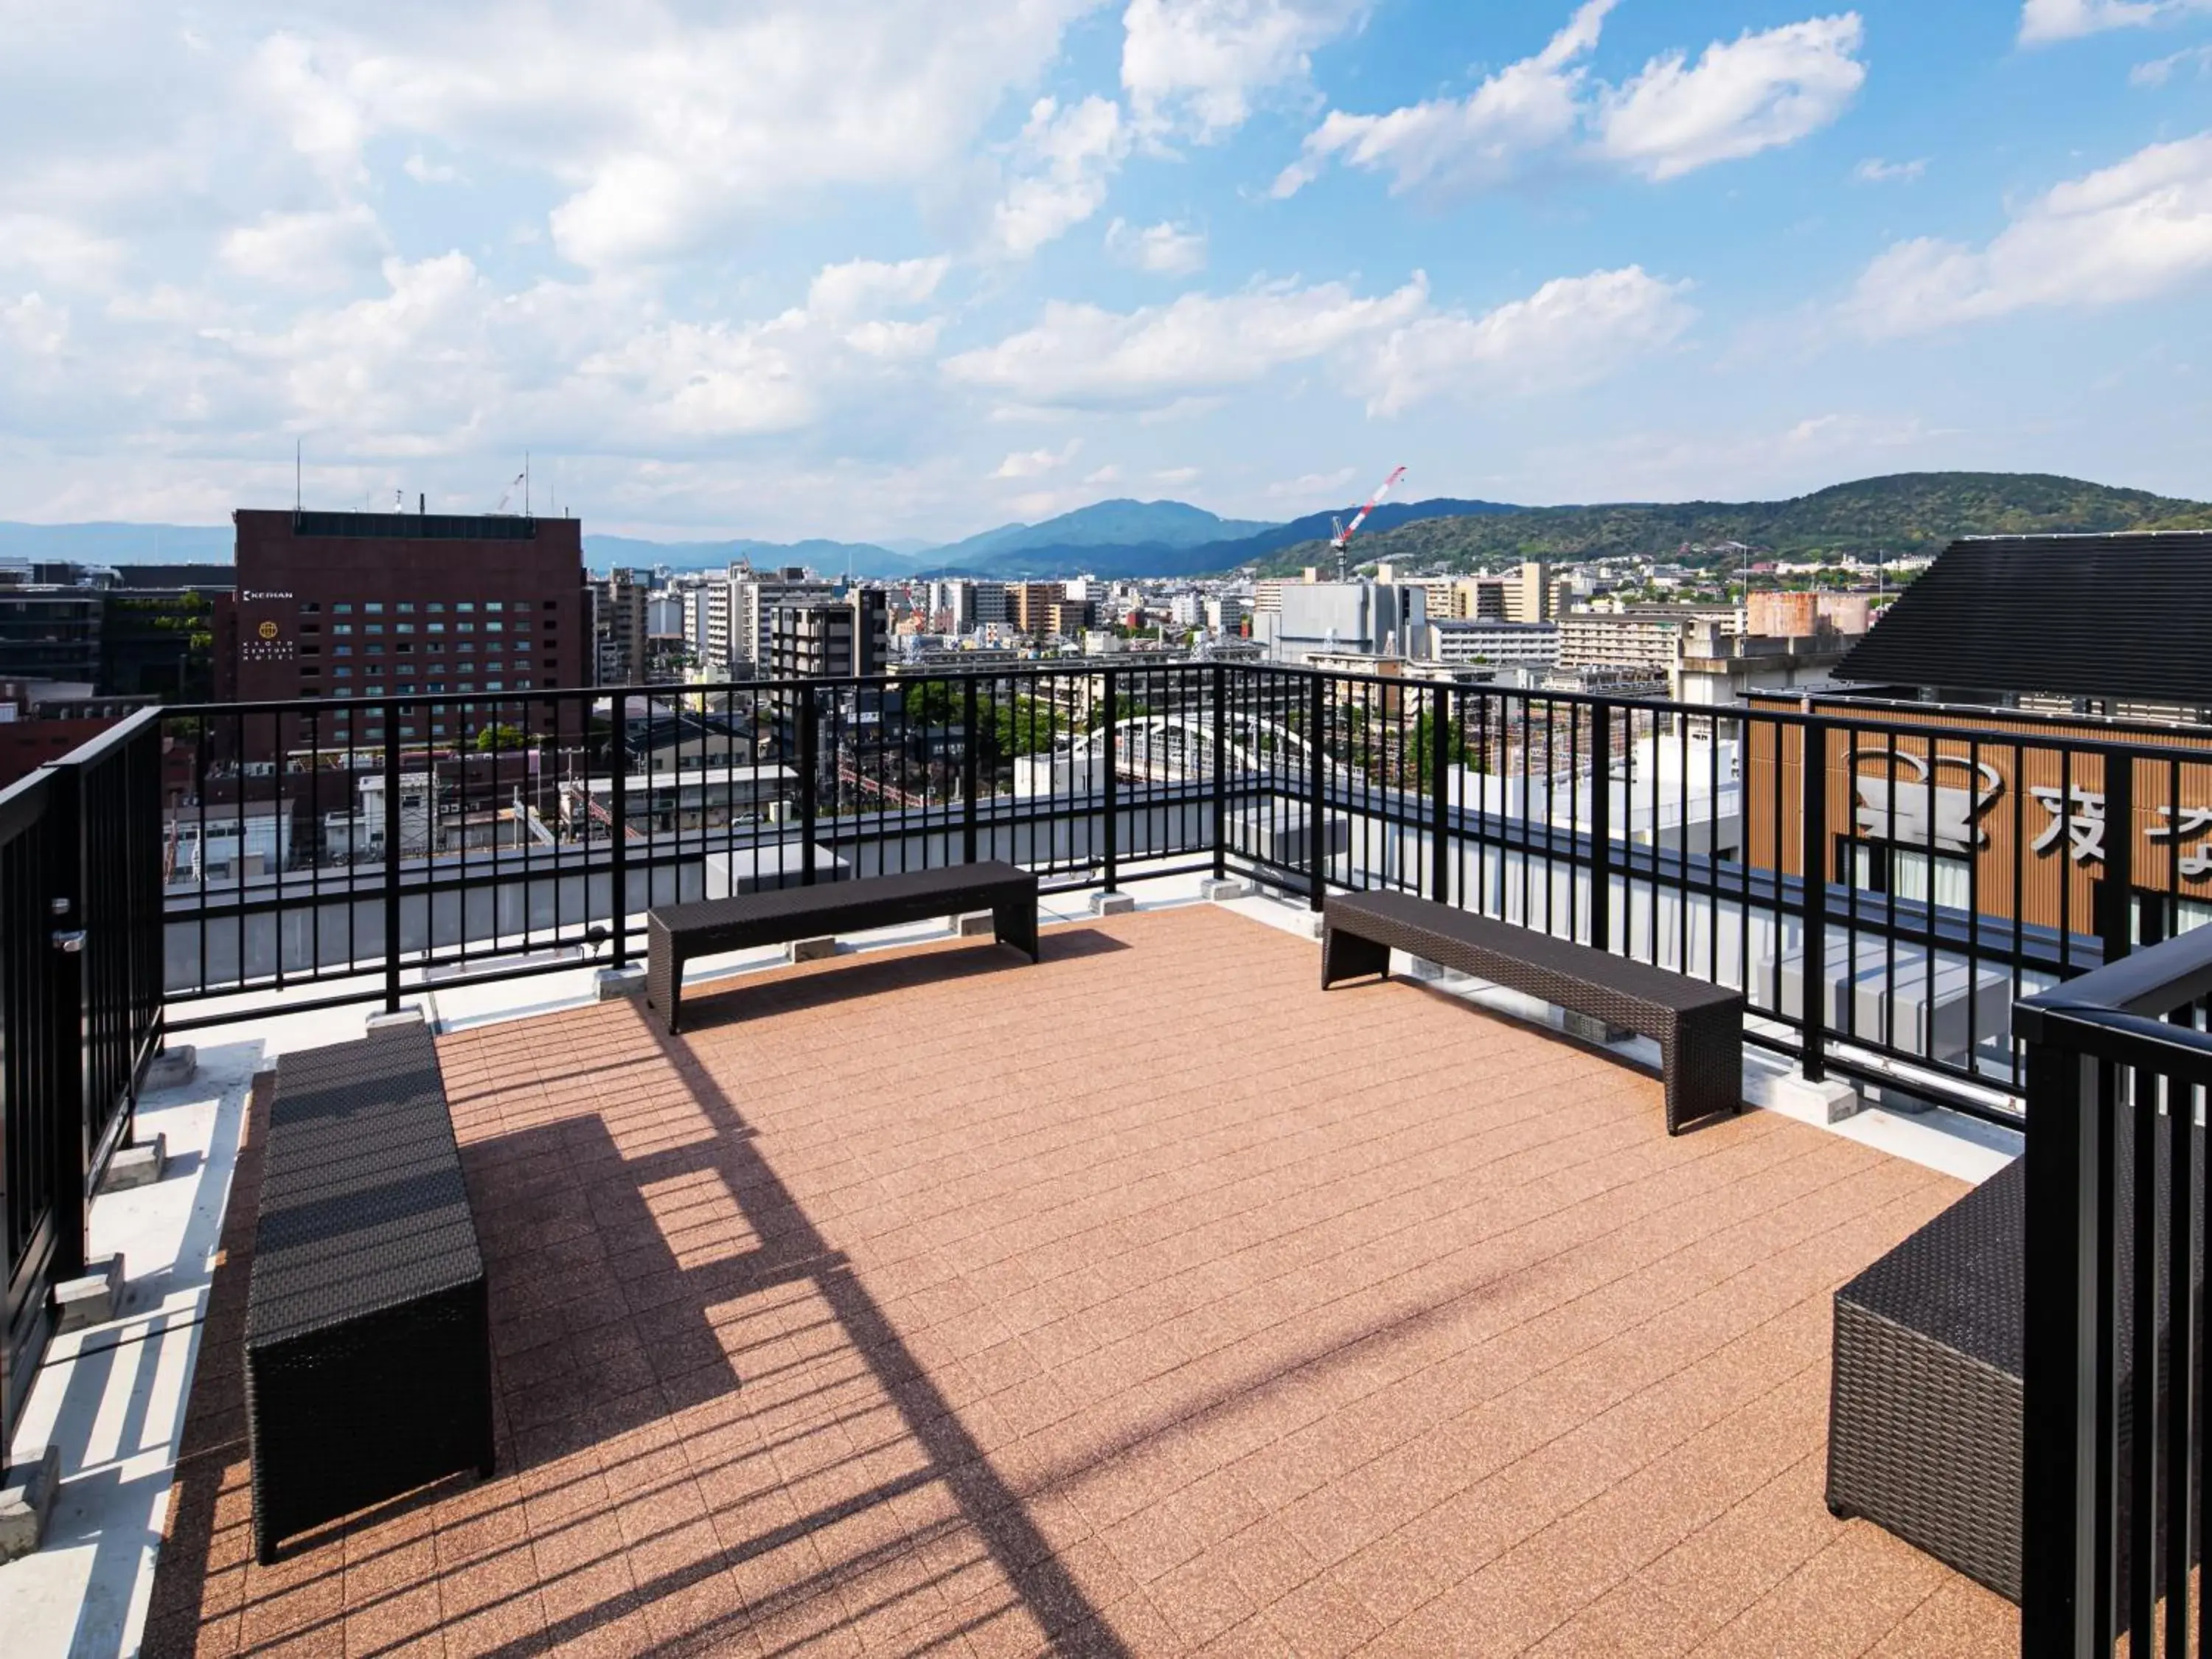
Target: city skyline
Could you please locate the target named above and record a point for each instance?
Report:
(894, 275)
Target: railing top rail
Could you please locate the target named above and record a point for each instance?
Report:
(2127, 996)
(114, 737)
(684, 698)
(2116, 724)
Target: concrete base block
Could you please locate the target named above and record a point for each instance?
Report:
(410, 1015)
(810, 950)
(1422, 967)
(1111, 903)
(1309, 924)
(611, 984)
(136, 1166)
(1829, 1101)
(1217, 888)
(173, 1067)
(81, 1303)
(26, 1499)
(1592, 1030)
(976, 924)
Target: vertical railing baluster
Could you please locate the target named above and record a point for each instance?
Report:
(391, 859)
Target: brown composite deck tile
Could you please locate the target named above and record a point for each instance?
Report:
(1144, 1301)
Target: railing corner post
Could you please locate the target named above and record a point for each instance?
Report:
(1812, 886)
(809, 792)
(1316, 797)
(971, 743)
(1600, 906)
(618, 831)
(1220, 746)
(1112, 734)
(2060, 1526)
(392, 858)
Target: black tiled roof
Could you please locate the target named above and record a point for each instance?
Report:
(2111, 617)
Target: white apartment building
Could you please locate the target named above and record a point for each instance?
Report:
(1487, 641)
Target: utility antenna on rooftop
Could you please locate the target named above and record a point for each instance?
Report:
(1345, 533)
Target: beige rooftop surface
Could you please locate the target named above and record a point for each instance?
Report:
(1146, 1301)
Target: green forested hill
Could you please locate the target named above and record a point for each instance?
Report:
(1906, 514)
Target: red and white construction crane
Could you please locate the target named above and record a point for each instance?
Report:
(1345, 531)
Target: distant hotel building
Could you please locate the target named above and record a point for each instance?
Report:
(339, 608)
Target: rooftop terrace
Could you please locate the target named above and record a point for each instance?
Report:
(1143, 1302)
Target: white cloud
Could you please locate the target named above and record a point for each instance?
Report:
(1083, 356)
(2158, 71)
(1755, 93)
(1396, 349)
(1164, 249)
(1200, 63)
(59, 250)
(1570, 331)
(1310, 485)
(663, 124)
(423, 171)
(2044, 21)
(322, 248)
(1875, 171)
(34, 325)
(2131, 231)
(1035, 463)
(864, 288)
(295, 83)
(1105, 475)
(1459, 146)
(1065, 161)
(1178, 475)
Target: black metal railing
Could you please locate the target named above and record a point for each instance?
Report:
(2113, 1516)
(80, 1009)
(1881, 891)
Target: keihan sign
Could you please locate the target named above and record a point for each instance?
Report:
(1922, 801)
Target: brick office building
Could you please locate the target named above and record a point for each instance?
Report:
(342, 607)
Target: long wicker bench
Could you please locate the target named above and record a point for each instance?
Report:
(1698, 1027)
(367, 1331)
(677, 933)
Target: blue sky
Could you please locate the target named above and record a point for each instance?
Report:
(830, 267)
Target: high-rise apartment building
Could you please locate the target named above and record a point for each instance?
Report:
(344, 607)
(755, 598)
(1028, 604)
(618, 628)
(813, 638)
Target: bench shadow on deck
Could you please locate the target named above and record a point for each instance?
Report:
(941, 1345)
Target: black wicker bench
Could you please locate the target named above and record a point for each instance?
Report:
(367, 1334)
(1924, 1404)
(678, 934)
(1698, 1027)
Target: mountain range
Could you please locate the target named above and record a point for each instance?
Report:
(1906, 513)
